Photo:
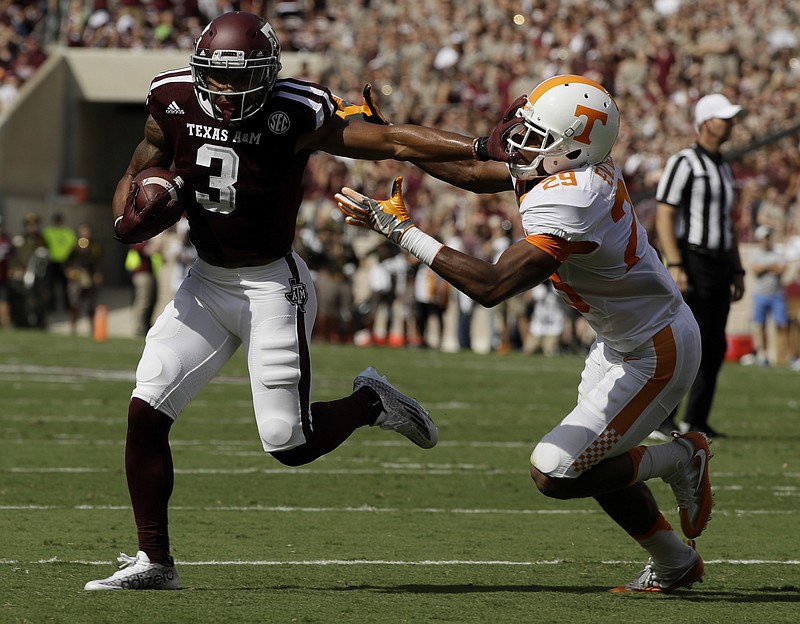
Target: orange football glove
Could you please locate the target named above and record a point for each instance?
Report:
(388, 216)
(368, 110)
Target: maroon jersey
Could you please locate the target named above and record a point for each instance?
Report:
(243, 181)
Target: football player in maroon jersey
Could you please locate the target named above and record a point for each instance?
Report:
(240, 138)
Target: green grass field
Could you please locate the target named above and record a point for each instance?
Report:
(379, 531)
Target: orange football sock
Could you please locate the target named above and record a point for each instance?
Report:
(636, 454)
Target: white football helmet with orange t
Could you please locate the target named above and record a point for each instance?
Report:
(568, 121)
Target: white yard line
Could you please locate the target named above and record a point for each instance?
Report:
(377, 510)
(384, 468)
(19, 372)
(389, 562)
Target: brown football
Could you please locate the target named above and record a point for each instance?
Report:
(155, 181)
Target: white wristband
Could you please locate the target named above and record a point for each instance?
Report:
(419, 244)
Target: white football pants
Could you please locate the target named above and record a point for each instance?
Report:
(270, 310)
(622, 398)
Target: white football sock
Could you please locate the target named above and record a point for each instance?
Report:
(667, 550)
(660, 460)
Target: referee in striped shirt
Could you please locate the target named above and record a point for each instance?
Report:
(697, 238)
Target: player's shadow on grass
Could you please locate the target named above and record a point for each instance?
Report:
(456, 589)
(763, 595)
(788, 594)
(481, 589)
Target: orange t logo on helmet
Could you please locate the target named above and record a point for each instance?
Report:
(592, 115)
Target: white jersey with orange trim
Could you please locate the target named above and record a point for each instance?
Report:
(610, 273)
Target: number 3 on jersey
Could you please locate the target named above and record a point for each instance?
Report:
(224, 183)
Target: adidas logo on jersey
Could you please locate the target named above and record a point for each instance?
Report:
(174, 109)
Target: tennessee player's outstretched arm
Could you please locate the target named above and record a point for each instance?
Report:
(522, 266)
(471, 175)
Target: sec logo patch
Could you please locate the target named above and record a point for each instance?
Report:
(278, 122)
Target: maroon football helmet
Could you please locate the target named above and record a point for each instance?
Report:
(235, 64)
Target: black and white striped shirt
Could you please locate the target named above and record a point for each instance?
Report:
(701, 187)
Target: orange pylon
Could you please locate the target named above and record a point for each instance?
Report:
(100, 323)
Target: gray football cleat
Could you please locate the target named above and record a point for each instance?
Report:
(400, 413)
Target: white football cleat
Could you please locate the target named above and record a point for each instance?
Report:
(400, 413)
(657, 579)
(138, 573)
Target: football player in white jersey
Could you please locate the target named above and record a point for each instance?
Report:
(582, 233)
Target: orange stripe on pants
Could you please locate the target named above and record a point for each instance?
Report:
(666, 359)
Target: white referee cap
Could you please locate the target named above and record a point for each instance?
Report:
(714, 106)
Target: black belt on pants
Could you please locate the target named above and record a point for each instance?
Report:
(705, 251)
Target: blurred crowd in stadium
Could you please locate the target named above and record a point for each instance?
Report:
(458, 64)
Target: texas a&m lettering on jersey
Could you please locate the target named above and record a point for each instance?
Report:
(243, 180)
(223, 134)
